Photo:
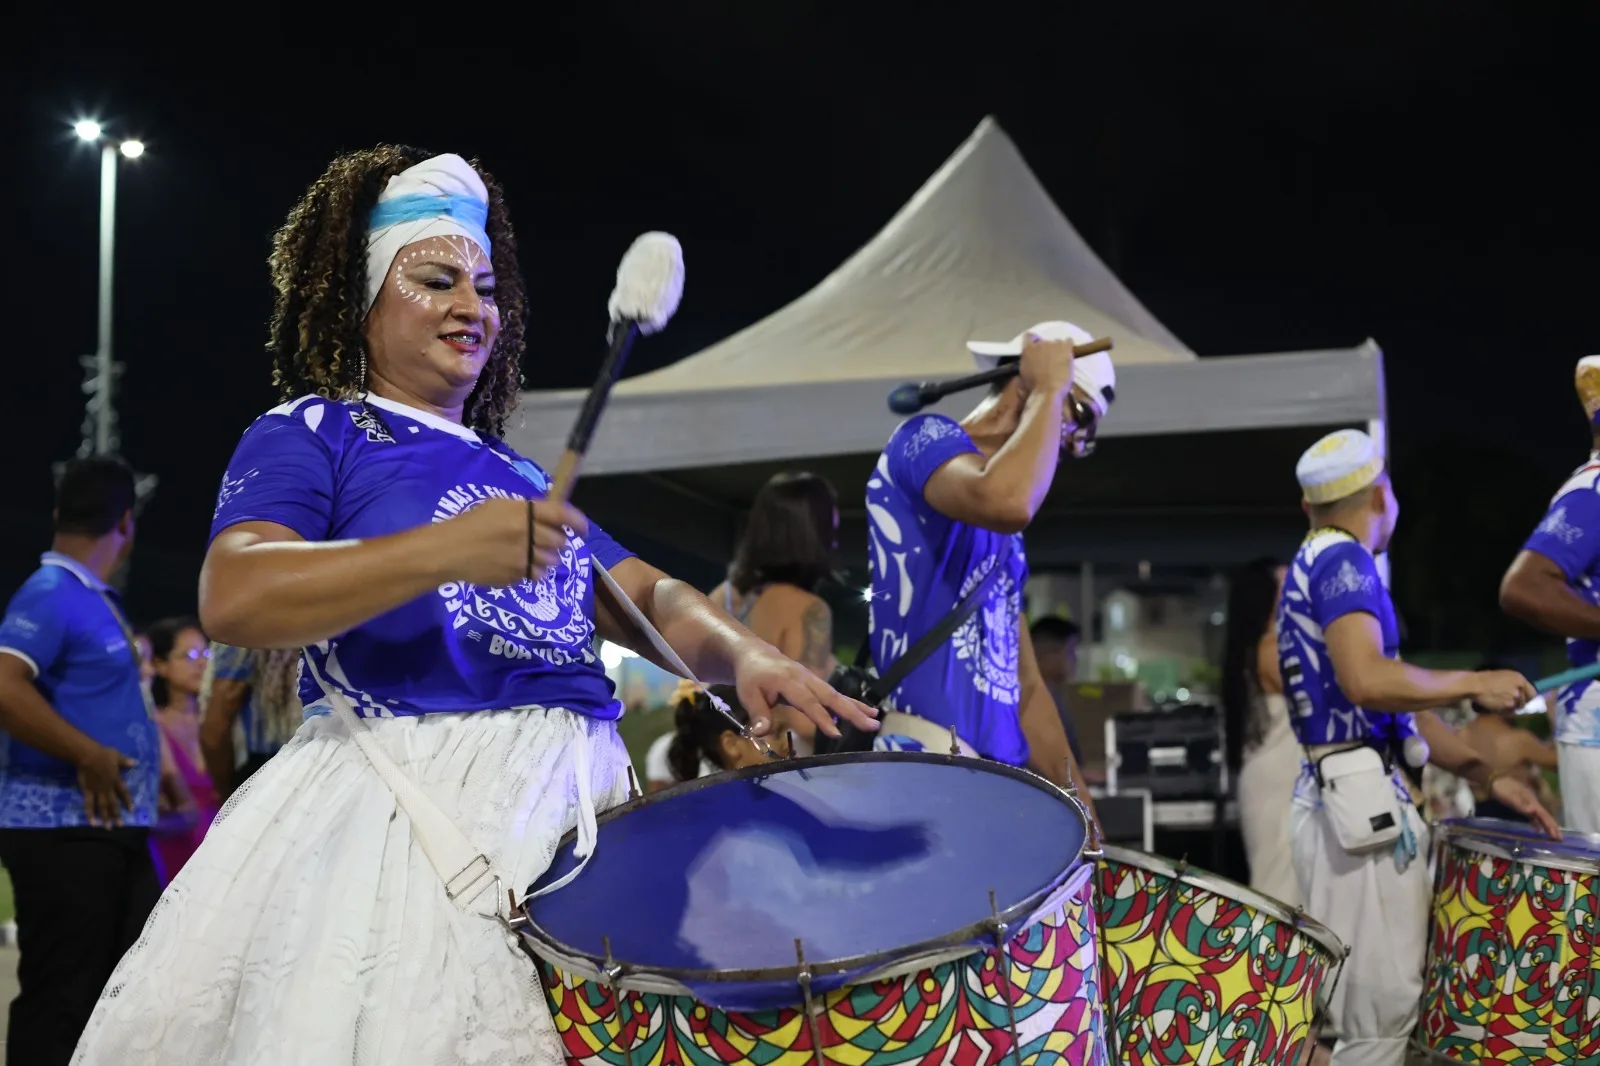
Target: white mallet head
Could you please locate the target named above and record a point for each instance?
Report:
(649, 283)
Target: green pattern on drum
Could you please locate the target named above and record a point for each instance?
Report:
(1510, 973)
(1198, 978)
(952, 1014)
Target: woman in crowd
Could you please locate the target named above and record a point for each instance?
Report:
(704, 742)
(784, 554)
(447, 610)
(1261, 748)
(178, 654)
(258, 690)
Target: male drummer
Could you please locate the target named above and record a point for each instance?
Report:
(1554, 585)
(1338, 649)
(946, 505)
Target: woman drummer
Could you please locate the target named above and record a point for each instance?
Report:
(378, 520)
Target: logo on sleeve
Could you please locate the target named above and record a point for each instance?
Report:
(231, 487)
(1556, 525)
(1348, 581)
(368, 421)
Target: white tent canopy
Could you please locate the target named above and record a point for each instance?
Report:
(979, 252)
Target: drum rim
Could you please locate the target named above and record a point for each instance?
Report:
(1519, 842)
(538, 937)
(1216, 884)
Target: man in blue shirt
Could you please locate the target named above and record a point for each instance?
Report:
(946, 506)
(1554, 585)
(1359, 842)
(80, 764)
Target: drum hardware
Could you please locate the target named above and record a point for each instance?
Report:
(611, 978)
(804, 979)
(516, 917)
(955, 742)
(633, 786)
(755, 987)
(1002, 947)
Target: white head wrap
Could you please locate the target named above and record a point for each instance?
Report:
(1092, 375)
(438, 197)
(1339, 465)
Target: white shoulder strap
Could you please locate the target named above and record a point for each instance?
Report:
(466, 871)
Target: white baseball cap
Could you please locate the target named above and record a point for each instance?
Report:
(1093, 375)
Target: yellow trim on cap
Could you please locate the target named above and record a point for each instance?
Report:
(1349, 484)
(1587, 380)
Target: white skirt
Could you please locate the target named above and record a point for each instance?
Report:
(310, 929)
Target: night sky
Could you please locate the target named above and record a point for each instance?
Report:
(1261, 185)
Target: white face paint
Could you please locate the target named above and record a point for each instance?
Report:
(435, 321)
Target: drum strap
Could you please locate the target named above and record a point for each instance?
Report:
(466, 872)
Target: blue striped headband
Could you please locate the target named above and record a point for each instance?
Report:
(467, 210)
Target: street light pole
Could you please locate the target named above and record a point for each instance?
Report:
(103, 412)
(100, 436)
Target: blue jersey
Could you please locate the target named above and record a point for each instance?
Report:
(67, 625)
(1332, 575)
(922, 563)
(1569, 536)
(333, 470)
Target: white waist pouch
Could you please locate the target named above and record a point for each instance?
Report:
(1359, 797)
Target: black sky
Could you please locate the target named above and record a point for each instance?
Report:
(1419, 173)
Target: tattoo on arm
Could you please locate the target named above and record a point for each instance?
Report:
(817, 625)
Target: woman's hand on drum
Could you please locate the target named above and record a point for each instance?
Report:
(1516, 794)
(489, 545)
(767, 679)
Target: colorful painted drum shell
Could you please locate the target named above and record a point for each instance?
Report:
(869, 860)
(954, 1012)
(1510, 971)
(1200, 970)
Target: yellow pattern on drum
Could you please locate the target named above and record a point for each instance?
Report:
(953, 1014)
(1196, 977)
(1510, 962)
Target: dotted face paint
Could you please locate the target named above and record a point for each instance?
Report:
(454, 259)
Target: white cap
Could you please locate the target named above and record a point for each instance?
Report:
(1092, 375)
(1587, 379)
(1339, 465)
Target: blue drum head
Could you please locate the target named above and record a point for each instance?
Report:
(863, 858)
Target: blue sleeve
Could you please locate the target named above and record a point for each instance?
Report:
(282, 472)
(1569, 536)
(34, 628)
(605, 551)
(922, 445)
(232, 664)
(1344, 580)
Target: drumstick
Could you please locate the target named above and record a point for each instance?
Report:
(649, 288)
(1555, 681)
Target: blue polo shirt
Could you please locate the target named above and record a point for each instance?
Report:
(66, 624)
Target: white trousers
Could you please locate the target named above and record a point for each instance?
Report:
(1266, 787)
(1381, 913)
(1580, 786)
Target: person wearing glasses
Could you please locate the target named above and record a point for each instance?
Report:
(179, 652)
(946, 507)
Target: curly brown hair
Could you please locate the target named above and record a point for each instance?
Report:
(319, 272)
